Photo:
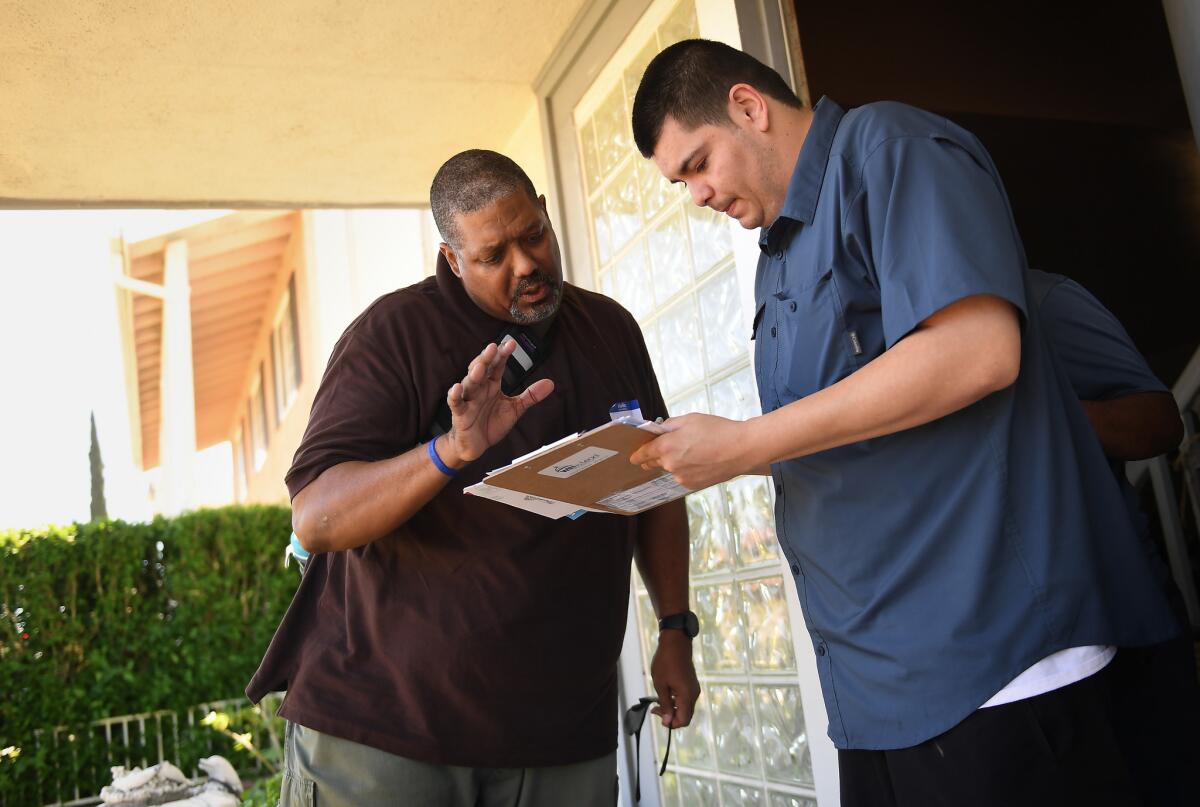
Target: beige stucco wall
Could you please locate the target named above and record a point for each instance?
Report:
(525, 146)
(292, 102)
(343, 260)
(265, 484)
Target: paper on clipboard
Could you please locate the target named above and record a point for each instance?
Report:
(534, 504)
(589, 471)
(645, 496)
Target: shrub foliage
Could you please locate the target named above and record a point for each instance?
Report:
(112, 618)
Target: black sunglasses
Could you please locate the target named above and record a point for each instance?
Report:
(635, 716)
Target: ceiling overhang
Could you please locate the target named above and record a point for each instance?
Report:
(276, 102)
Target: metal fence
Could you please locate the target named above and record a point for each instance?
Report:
(140, 740)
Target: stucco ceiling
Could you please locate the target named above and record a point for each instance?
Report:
(296, 101)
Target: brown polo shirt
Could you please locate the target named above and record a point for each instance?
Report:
(474, 634)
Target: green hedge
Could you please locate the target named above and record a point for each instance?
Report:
(111, 618)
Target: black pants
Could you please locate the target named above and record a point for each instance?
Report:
(1072, 746)
(1157, 714)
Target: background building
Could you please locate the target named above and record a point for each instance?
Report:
(227, 326)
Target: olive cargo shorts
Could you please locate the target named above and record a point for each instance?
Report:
(325, 771)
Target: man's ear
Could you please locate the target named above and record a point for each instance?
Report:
(748, 108)
(451, 258)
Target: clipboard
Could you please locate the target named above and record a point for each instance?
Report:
(588, 472)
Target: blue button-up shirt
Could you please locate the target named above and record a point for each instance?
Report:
(937, 563)
(1102, 363)
(1097, 354)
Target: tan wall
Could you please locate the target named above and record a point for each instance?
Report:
(525, 147)
(277, 102)
(265, 485)
(343, 260)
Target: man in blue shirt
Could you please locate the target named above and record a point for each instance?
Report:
(1130, 409)
(1156, 698)
(964, 560)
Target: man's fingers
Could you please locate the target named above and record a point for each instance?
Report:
(490, 370)
(648, 455)
(484, 375)
(671, 424)
(478, 370)
(685, 708)
(500, 360)
(677, 695)
(665, 708)
(535, 393)
(483, 371)
(484, 359)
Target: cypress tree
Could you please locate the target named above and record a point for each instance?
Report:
(99, 508)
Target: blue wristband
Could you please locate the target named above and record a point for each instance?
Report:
(437, 461)
(297, 549)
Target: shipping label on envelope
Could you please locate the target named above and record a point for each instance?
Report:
(577, 462)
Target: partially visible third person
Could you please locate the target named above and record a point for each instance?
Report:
(1155, 693)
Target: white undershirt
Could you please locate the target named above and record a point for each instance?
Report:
(1054, 672)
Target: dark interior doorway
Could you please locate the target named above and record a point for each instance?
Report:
(1080, 104)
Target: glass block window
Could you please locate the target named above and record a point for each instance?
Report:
(672, 265)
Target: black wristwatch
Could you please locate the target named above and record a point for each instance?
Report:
(686, 622)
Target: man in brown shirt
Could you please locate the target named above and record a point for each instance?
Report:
(447, 649)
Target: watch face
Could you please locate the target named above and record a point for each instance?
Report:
(686, 622)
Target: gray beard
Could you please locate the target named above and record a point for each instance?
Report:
(539, 312)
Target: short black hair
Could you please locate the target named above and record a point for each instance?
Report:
(690, 81)
(469, 181)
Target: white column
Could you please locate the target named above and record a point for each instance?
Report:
(177, 429)
(330, 264)
(1183, 21)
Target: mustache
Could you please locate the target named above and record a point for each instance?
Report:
(537, 278)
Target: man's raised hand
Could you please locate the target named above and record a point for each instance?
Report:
(481, 414)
